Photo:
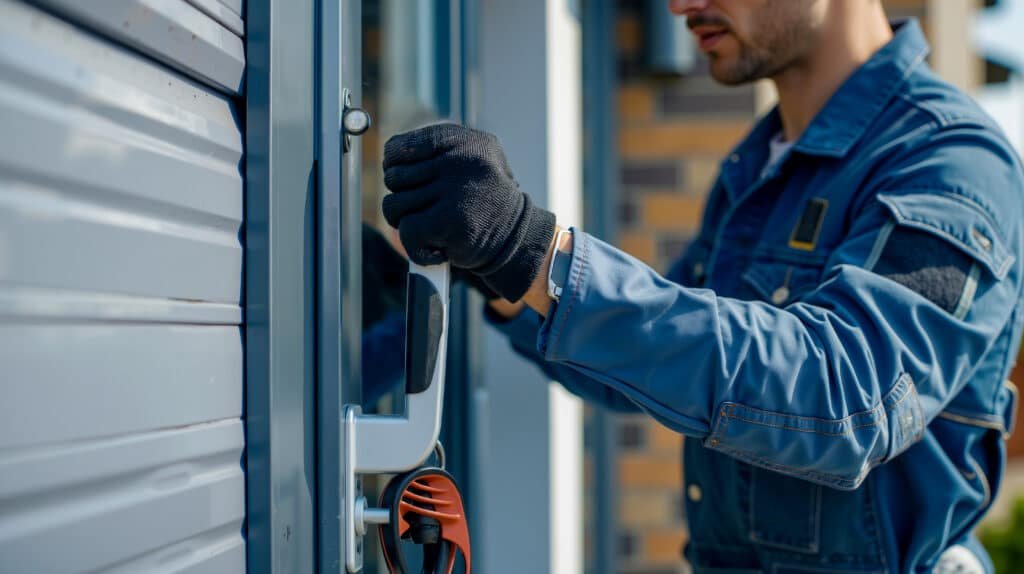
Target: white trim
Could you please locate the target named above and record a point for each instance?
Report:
(880, 242)
(566, 479)
(565, 173)
(967, 295)
(530, 466)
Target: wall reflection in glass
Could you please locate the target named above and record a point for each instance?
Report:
(402, 85)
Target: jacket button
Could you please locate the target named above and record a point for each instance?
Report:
(781, 295)
(694, 493)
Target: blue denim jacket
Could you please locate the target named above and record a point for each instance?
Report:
(834, 343)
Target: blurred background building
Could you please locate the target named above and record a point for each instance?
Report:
(165, 407)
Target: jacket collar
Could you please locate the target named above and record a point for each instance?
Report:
(859, 101)
(846, 115)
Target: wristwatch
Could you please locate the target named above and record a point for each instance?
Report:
(558, 272)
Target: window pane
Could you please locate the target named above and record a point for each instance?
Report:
(400, 87)
(399, 91)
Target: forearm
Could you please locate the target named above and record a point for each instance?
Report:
(521, 332)
(537, 296)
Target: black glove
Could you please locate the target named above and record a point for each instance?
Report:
(455, 199)
(474, 281)
(385, 276)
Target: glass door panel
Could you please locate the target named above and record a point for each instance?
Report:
(393, 59)
(400, 78)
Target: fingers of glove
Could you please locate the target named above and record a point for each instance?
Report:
(423, 143)
(407, 176)
(397, 205)
(419, 236)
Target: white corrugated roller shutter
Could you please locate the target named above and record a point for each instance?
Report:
(121, 351)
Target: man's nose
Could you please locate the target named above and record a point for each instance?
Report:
(687, 7)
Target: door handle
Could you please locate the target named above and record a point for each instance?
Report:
(396, 443)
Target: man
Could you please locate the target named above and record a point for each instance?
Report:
(834, 342)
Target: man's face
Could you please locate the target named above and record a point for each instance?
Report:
(746, 40)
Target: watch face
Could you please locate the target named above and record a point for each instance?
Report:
(558, 274)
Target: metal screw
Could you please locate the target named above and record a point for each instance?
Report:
(356, 121)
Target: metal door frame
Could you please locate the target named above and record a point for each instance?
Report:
(280, 325)
(338, 285)
(303, 279)
(600, 205)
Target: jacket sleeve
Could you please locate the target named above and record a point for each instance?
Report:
(521, 332)
(847, 376)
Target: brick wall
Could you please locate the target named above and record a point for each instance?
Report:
(673, 133)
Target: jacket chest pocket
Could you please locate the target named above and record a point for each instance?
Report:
(780, 283)
(785, 512)
(802, 523)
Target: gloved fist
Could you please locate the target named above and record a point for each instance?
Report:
(474, 281)
(454, 199)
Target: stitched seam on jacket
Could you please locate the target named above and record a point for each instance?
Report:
(942, 119)
(980, 423)
(869, 413)
(796, 429)
(908, 389)
(918, 418)
(991, 418)
(723, 421)
(830, 479)
(920, 414)
(728, 412)
(998, 266)
(954, 193)
(946, 232)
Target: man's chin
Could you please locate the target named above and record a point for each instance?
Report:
(727, 73)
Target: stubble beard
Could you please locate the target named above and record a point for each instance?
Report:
(776, 47)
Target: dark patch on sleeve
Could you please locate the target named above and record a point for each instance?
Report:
(925, 264)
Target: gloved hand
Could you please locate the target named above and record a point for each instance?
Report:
(385, 274)
(474, 281)
(454, 198)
